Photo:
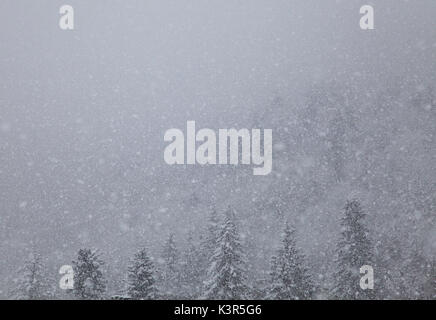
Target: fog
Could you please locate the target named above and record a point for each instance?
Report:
(83, 115)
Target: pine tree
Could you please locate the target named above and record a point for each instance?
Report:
(432, 280)
(416, 273)
(290, 279)
(32, 282)
(140, 277)
(429, 288)
(226, 275)
(191, 271)
(208, 240)
(89, 282)
(170, 274)
(354, 250)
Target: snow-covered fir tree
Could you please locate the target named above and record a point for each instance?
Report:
(354, 250)
(191, 272)
(32, 282)
(207, 240)
(429, 288)
(290, 279)
(141, 282)
(226, 279)
(432, 280)
(416, 273)
(89, 282)
(170, 270)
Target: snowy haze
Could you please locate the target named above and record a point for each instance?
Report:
(83, 114)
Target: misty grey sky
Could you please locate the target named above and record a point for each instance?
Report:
(83, 112)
